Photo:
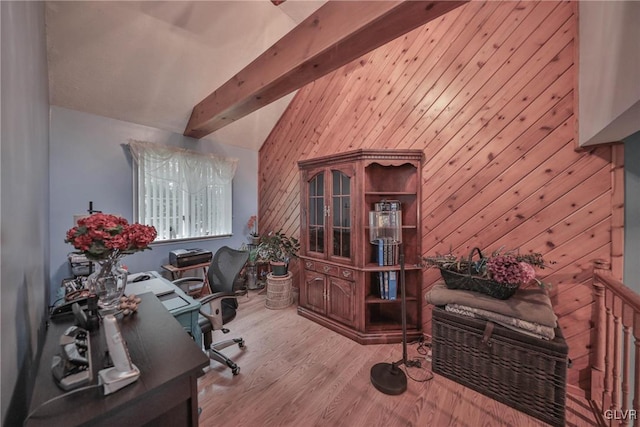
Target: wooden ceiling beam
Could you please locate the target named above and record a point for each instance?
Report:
(337, 33)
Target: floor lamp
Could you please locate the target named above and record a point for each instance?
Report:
(385, 229)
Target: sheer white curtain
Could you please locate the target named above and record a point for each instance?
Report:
(184, 194)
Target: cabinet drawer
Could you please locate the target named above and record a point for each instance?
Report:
(347, 274)
(330, 270)
(309, 265)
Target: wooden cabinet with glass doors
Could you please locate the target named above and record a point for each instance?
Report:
(340, 285)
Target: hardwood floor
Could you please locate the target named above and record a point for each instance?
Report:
(297, 373)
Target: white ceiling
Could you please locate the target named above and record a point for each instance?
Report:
(150, 62)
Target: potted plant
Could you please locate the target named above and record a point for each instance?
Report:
(252, 225)
(278, 249)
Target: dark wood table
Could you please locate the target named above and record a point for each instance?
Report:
(165, 394)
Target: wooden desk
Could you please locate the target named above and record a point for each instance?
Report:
(165, 394)
(176, 273)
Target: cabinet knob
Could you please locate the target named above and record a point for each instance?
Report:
(346, 273)
(326, 268)
(308, 264)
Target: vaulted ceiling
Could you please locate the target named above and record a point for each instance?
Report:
(150, 62)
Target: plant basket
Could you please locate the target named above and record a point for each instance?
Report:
(470, 282)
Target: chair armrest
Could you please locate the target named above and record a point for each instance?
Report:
(186, 284)
(218, 295)
(211, 307)
(187, 279)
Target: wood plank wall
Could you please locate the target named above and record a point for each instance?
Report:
(487, 91)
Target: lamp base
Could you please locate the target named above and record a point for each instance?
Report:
(388, 378)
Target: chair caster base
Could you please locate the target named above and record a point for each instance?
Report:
(215, 354)
(235, 369)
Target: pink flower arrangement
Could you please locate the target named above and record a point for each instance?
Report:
(509, 268)
(102, 236)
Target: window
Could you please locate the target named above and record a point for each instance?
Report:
(183, 194)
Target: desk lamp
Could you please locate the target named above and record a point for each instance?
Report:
(385, 230)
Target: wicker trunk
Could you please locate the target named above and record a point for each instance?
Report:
(526, 373)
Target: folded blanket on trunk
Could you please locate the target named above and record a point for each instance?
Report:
(531, 304)
(518, 325)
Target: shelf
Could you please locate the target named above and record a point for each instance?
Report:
(388, 326)
(390, 193)
(404, 227)
(371, 267)
(383, 326)
(372, 299)
(353, 306)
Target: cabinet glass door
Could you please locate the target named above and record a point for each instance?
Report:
(316, 231)
(341, 213)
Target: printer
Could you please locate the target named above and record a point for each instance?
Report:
(188, 257)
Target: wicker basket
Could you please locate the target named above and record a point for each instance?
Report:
(278, 291)
(471, 282)
(526, 373)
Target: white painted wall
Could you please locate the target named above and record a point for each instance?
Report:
(609, 86)
(150, 62)
(631, 274)
(24, 197)
(52, 163)
(632, 212)
(90, 162)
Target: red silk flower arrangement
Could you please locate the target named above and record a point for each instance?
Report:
(105, 236)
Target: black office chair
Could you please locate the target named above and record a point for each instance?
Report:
(219, 308)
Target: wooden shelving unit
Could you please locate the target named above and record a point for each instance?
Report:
(339, 287)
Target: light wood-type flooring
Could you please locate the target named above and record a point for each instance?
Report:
(295, 372)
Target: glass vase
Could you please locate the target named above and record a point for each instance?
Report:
(108, 283)
(252, 276)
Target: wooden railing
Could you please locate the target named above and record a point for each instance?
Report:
(617, 319)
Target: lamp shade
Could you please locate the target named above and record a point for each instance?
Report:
(386, 226)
